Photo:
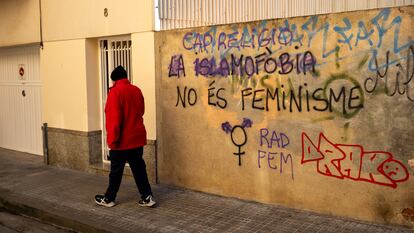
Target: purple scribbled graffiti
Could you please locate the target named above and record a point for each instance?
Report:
(226, 127)
(247, 123)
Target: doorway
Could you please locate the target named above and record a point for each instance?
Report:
(20, 99)
(114, 51)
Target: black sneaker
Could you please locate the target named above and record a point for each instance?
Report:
(147, 202)
(103, 201)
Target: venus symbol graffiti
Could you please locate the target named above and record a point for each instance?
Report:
(238, 135)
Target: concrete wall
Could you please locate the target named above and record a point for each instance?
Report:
(83, 19)
(72, 101)
(69, 67)
(64, 85)
(74, 149)
(310, 112)
(20, 22)
(65, 24)
(143, 68)
(93, 84)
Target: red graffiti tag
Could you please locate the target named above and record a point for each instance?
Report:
(352, 162)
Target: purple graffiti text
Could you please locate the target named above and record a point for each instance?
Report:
(242, 65)
(272, 139)
(273, 162)
(176, 67)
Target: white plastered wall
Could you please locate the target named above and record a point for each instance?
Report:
(143, 61)
(19, 22)
(63, 69)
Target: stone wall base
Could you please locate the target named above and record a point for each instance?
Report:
(83, 151)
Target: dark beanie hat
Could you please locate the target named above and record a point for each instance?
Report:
(118, 73)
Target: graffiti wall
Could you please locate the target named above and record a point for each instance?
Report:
(311, 112)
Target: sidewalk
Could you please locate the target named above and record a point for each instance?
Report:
(65, 197)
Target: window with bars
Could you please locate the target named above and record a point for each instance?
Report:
(113, 52)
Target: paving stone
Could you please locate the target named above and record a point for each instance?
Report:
(66, 197)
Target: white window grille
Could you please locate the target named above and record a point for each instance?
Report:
(172, 14)
(113, 52)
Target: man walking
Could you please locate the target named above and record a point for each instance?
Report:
(126, 136)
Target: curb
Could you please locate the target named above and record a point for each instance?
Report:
(10, 203)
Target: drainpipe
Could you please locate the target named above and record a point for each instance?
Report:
(41, 29)
(45, 144)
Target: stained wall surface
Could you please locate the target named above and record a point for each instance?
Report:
(20, 22)
(65, 96)
(95, 18)
(143, 68)
(310, 112)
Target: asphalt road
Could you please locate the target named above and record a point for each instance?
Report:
(12, 223)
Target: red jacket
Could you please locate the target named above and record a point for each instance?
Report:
(124, 110)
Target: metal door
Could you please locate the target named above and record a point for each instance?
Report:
(114, 51)
(20, 99)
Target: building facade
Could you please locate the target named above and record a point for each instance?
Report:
(237, 108)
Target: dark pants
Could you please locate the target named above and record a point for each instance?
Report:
(136, 163)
